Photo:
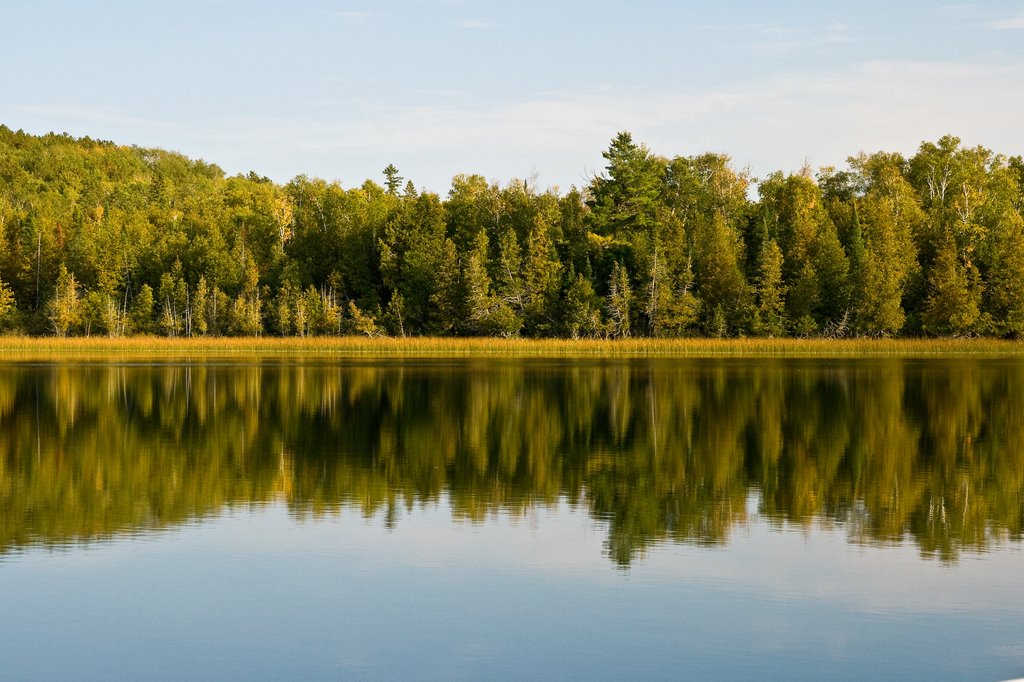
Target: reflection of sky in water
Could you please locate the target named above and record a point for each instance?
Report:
(261, 594)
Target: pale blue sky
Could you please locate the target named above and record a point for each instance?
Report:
(340, 89)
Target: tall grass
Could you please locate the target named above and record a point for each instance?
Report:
(22, 348)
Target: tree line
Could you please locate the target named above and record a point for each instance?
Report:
(97, 238)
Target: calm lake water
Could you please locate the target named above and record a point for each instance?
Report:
(515, 519)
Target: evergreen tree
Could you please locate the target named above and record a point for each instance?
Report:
(65, 308)
(954, 296)
(394, 315)
(620, 298)
(833, 270)
(448, 299)
(200, 324)
(581, 308)
(542, 275)
(771, 292)
(142, 311)
(392, 180)
(479, 299)
(1005, 292)
(855, 250)
(721, 285)
(671, 309)
(879, 311)
(892, 214)
(624, 200)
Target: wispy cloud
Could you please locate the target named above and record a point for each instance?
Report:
(475, 24)
(773, 29)
(1008, 24)
(775, 39)
(353, 14)
(877, 105)
(828, 113)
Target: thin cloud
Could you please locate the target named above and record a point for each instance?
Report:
(353, 14)
(1008, 24)
(475, 24)
(779, 39)
(876, 105)
(774, 29)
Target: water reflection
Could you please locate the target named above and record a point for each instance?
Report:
(661, 451)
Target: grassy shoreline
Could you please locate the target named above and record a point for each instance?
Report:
(21, 348)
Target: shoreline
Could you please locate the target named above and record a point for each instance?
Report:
(22, 348)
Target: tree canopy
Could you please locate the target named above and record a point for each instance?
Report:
(98, 238)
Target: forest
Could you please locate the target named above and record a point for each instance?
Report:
(102, 239)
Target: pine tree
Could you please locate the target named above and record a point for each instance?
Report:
(65, 309)
(392, 180)
(890, 257)
(394, 314)
(447, 300)
(855, 254)
(770, 291)
(508, 275)
(954, 296)
(1005, 290)
(479, 300)
(802, 299)
(542, 275)
(879, 310)
(721, 284)
(199, 307)
(142, 311)
(833, 269)
(620, 298)
(671, 308)
(581, 313)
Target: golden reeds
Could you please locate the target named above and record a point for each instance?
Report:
(22, 348)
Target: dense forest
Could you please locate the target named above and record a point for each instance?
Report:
(97, 238)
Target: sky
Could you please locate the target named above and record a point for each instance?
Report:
(524, 90)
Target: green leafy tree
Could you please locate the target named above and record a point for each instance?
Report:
(8, 306)
(200, 322)
(361, 324)
(246, 310)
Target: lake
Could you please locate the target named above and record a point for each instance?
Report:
(503, 518)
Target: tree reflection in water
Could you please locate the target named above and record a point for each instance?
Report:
(660, 450)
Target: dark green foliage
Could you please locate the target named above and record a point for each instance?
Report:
(97, 238)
